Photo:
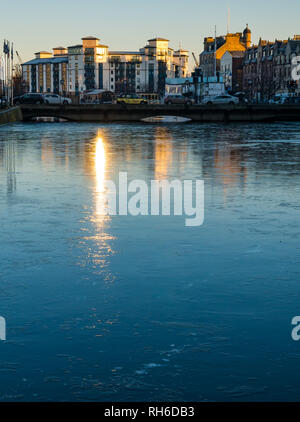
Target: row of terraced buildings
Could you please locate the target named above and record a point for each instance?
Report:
(260, 71)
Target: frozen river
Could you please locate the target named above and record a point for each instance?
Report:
(143, 308)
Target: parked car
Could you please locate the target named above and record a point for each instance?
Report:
(56, 99)
(130, 99)
(221, 99)
(97, 96)
(279, 99)
(241, 97)
(29, 99)
(179, 99)
(292, 100)
(3, 102)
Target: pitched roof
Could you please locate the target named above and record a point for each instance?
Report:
(45, 61)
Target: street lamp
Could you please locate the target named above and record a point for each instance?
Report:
(62, 84)
(250, 84)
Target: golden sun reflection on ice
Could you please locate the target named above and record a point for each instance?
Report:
(98, 240)
(100, 163)
(100, 170)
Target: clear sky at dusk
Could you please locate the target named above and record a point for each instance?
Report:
(126, 25)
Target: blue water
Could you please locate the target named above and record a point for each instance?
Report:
(143, 308)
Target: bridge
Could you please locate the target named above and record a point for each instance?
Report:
(135, 113)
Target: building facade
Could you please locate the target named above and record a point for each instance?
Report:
(231, 66)
(90, 66)
(214, 50)
(267, 69)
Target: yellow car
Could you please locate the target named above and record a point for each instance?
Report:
(131, 99)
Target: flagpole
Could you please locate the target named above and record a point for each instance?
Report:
(8, 73)
(12, 74)
(7, 76)
(215, 53)
(5, 71)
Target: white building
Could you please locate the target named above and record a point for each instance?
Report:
(231, 66)
(181, 86)
(91, 65)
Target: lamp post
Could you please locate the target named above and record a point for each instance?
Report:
(250, 84)
(62, 84)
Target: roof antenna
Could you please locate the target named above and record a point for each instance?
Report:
(215, 52)
(228, 20)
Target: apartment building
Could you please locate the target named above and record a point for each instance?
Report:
(91, 65)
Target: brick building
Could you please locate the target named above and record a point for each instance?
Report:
(214, 49)
(267, 69)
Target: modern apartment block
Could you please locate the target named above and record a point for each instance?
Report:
(91, 65)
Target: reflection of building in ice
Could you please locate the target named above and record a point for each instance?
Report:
(163, 153)
(53, 153)
(47, 152)
(10, 166)
(169, 158)
(228, 163)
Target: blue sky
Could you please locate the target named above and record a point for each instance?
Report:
(127, 24)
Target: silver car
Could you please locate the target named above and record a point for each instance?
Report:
(56, 99)
(221, 99)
